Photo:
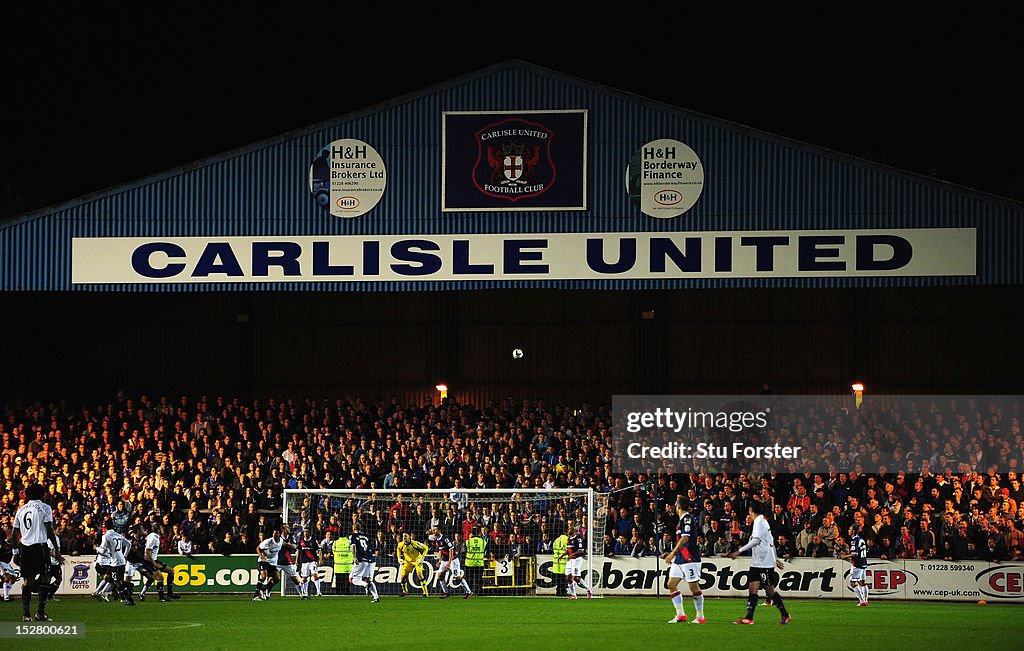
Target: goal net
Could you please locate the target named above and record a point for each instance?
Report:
(517, 529)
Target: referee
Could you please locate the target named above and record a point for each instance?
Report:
(34, 522)
(763, 562)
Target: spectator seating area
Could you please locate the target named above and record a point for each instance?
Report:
(213, 469)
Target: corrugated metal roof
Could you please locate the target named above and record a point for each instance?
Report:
(754, 181)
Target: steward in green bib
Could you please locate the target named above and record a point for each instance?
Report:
(342, 550)
(559, 549)
(476, 548)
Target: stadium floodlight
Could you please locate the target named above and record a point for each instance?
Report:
(442, 388)
(513, 523)
(858, 392)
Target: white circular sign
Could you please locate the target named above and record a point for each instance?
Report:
(347, 178)
(664, 178)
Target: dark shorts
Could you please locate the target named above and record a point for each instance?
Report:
(35, 561)
(144, 567)
(117, 571)
(266, 567)
(56, 575)
(766, 575)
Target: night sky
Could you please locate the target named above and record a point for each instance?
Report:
(106, 97)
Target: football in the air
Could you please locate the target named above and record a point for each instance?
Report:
(517, 353)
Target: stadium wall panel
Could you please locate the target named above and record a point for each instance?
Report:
(577, 344)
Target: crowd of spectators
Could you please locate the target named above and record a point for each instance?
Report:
(925, 516)
(214, 470)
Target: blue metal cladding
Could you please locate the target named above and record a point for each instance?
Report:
(753, 181)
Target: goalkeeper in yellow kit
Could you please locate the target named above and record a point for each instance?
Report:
(410, 553)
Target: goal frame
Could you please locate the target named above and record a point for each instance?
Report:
(553, 492)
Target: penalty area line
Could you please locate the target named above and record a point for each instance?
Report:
(168, 626)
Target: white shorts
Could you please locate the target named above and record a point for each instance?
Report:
(574, 567)
(454, 565)
(689, 572)
(858, 573)
(7, 570)
(129, 571)
(309, 569)
(287, 570)
(363, 569)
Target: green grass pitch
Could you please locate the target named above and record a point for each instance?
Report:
(235, 622)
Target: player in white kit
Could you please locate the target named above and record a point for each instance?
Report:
(33, 527)
(151, 549)
(111, 562)
(763, 562)
(273, 561)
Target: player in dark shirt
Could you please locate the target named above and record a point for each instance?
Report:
(7, 571)
(858, 557)
(686, 563)
(362, 569)
(137, 562)
(448, 563)
(576, 546)
(309, 570)
(576, 552)
(362, 546)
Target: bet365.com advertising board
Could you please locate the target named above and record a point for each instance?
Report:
(202, 573)
(213, 573)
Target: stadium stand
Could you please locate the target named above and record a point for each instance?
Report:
(215, 469)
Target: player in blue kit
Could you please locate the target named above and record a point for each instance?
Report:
(858, 557)
(685, 559)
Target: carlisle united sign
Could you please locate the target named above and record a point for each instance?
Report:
(526, 256)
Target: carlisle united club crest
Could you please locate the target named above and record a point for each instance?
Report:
(514, 159)
(80, 576)
(80, 572)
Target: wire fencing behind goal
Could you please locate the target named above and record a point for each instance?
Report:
(507, 541)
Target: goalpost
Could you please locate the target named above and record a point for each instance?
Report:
(518, 527)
